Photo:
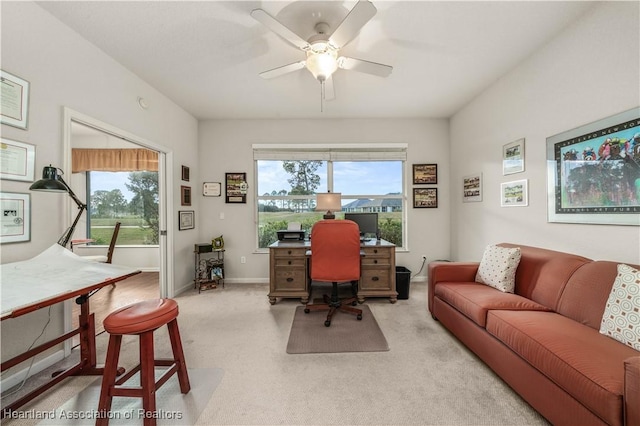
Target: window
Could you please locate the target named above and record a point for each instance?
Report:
(121, 186)
(369, 178)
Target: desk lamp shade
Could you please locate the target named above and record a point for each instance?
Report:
(49, 181)
(52, 182)
(329, 202)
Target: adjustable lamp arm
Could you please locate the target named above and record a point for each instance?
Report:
(64, 239)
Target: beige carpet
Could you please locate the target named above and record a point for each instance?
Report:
(346, 333)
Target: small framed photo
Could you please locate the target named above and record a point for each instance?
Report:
(425, 174)
(185, 173)
(15, 214)
(236, 187)
(185, 195)
(15, 100)
(514, 194)
(186, 220)
(17, 160)
(513, 157)
(212, 189)
(425, 198)
(472, 188)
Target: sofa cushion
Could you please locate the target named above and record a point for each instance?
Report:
(621, 319)
(498, 267)
(586, 364)
(474, 300)
(542, 274)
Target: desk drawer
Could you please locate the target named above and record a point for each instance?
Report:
(290, 252)
(375, 279)
(376, 252)
(289, 261)
(380, 262)
(290, 279)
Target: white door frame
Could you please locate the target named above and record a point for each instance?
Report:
(165, 193)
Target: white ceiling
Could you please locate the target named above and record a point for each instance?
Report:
(206, 55)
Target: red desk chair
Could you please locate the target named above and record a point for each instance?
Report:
(335, 258)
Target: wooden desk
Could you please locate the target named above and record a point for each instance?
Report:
(52, 277)
(288, 271)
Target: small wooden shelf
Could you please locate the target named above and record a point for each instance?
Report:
(208, 267)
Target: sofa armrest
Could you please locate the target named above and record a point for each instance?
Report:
(632, 391)
(449, 272)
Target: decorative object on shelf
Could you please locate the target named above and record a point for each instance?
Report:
(513, 157)
(185, 173)
(472, 188)
(17, 160)
(15, 100)
(186, 220)
(212, 189)
(16, 217)
(209, 267)
(185, 195)
(218, 243)
(52, 182)
(607, 152)
(330, 202)
(236, 188)
(425, 174)
(425, 198)
(514, 194)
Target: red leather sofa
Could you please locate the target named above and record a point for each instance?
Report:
(544, 339)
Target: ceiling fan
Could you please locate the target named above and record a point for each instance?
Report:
(321, 49)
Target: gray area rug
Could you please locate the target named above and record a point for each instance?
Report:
(346, 333)
(173, 408)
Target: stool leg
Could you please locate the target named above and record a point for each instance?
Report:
(147, 378)
(178, 356)
(108, 379)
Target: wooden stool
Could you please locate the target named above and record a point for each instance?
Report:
(142, 318)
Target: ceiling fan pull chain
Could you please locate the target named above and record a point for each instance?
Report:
(321, 95)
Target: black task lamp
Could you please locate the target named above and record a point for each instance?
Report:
(52, 182)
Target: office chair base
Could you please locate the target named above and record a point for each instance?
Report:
(333, 304)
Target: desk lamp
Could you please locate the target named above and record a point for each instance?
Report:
(329, 201)
(52, 182)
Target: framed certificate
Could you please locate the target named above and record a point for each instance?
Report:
(212, 189)
(17, 160)
(15, 100)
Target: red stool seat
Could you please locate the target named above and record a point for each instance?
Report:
(141, 319)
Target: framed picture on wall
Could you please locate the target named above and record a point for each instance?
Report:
(185, 173)
(236, 188)
(514, 194)
(593, 172)
(15, 214)
(425, 198)
(185, 195)
(186, 220)
(425, 174)
(513, 157)
(15, 100)
(472, 188)
(17, 160)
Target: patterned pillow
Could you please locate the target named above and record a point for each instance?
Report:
(621, 319)
(498, 268)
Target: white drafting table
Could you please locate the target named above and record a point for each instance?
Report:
(52, 277)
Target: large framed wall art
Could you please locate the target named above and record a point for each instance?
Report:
(594, 172)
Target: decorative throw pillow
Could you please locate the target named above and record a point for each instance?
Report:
(498, 268)
(621, 319)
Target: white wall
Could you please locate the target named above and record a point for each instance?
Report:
(589, 72)
(225, 146)
(67, 71)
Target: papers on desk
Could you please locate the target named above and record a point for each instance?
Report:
(52, 273)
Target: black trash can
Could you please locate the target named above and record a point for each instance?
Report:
(403, 278)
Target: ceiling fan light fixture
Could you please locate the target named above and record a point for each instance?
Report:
(322, 65)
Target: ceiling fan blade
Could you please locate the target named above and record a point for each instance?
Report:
(367, 67)
(361, 13)
(329, 92)
(277, 72)
(274, 25)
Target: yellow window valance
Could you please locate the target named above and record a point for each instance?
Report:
(113, 160)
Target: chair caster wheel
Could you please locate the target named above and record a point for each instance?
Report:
(354, 303)
(359, 317)
(327, 323)
(307, 310)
